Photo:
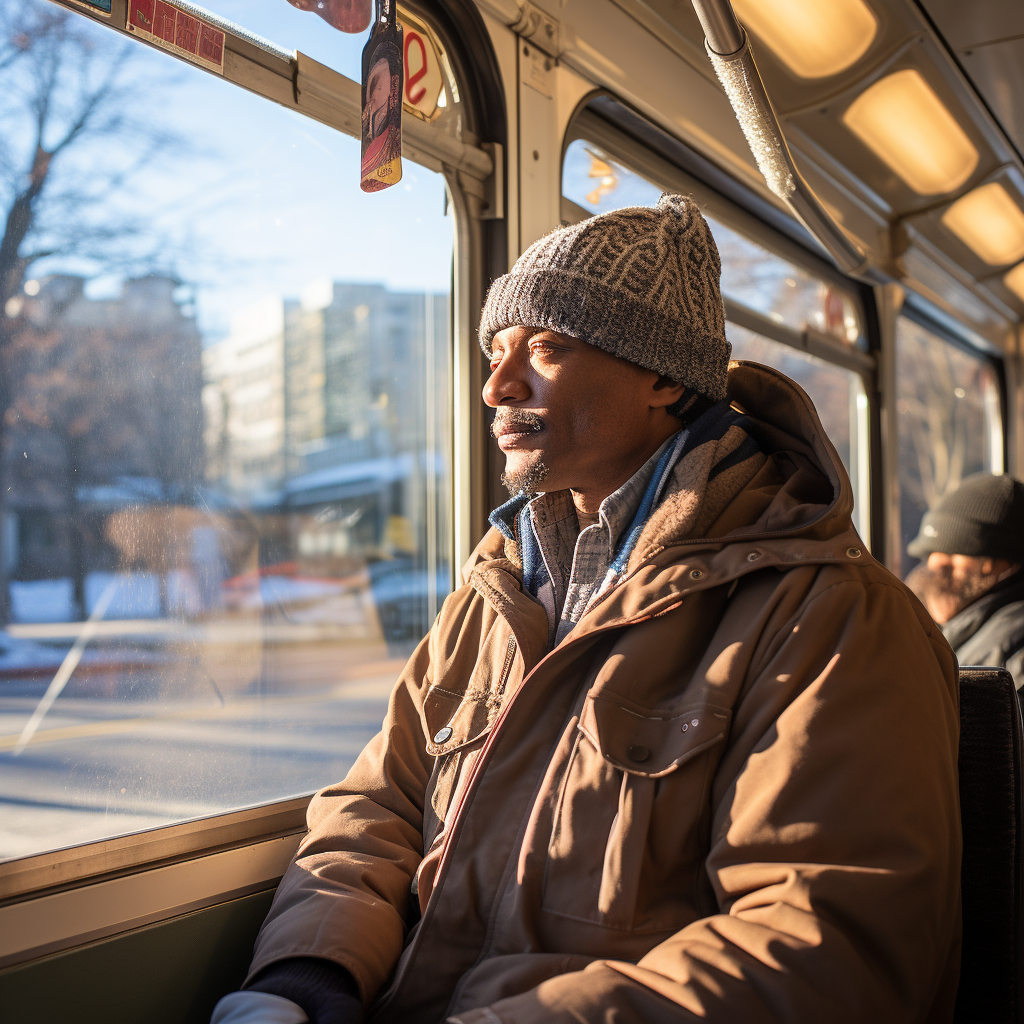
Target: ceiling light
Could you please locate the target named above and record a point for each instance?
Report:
(990, 222)
(813, 38)
(903, 122)
(1014, 280)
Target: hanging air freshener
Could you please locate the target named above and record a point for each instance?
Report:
(383, 80)
(345, 15)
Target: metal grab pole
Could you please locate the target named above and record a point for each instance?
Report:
(729, 50)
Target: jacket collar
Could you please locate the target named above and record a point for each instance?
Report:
(794, 511)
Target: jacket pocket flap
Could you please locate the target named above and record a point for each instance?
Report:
(452, 721)
(651, 743)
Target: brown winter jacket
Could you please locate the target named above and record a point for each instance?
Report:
(730, 794)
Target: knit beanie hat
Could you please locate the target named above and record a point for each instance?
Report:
(984, 517)
(641, 283)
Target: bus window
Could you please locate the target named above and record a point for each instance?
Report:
(768, 289)
(226, 491)
(949, 416)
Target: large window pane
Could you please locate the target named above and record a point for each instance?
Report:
(225, 484)
(950, 423)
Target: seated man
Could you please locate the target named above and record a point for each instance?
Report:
(678, 748)
(971, 580)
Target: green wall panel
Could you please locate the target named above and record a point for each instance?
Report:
(167, 973)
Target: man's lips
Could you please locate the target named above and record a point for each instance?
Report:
(512, 433)
(514, 437)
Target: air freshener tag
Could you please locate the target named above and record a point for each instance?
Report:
(345, 15)
(383, 80)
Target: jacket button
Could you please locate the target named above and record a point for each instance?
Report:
(853, 552)
(753, 556)
(443, 735)
(637, 752)
(696, 574)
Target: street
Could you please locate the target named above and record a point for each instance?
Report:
(197, 730)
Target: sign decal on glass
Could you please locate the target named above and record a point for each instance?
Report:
(167, 26)
(424, 82)
(383, 80)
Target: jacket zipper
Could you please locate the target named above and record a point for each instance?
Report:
(506, 668)
(452, 826)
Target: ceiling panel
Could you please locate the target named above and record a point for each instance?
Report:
(987, 37)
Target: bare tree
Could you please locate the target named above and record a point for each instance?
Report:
(70, 142)
(943, 421)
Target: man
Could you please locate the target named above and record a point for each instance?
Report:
(678, 748)
(971, 580)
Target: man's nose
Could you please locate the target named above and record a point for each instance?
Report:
(506, 384)
(938, 559)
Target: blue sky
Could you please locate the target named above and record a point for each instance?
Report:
(267, 201)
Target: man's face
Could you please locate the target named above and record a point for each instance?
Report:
(571, 416)
(949, 583)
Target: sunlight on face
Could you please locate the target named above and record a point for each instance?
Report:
(570, 414)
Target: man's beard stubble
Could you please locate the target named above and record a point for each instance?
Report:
(946, 594)
(528, 478)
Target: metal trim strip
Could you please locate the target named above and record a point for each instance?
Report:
(109, 858)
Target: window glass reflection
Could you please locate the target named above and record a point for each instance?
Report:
(225, 513)
(949, 419)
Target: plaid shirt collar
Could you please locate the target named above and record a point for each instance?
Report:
(547, 530)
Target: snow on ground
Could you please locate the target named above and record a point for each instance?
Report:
(137, 596)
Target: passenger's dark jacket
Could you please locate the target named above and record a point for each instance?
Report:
(991, 630)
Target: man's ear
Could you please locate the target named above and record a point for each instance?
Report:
(665, 392)
(998, 567)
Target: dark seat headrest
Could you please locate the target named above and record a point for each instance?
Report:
(990, 810)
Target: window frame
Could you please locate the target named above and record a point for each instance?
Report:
(926, 316)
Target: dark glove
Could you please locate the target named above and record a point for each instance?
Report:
(326, 992)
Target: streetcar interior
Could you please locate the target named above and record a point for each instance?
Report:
(242, 451)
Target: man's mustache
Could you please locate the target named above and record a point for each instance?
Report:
(508, 421)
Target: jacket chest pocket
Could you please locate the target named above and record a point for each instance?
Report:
(456, 722)
(455, 726)
(629, 832)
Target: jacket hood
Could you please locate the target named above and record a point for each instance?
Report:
(798, 504)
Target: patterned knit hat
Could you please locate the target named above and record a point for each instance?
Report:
(983, 517)
(640, 283)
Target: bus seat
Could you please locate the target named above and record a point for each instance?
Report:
(991, 989)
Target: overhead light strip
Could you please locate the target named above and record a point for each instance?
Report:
(989, 222)
(813, 38)
(905, 124)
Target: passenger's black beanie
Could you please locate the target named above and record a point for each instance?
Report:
(984, 517)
